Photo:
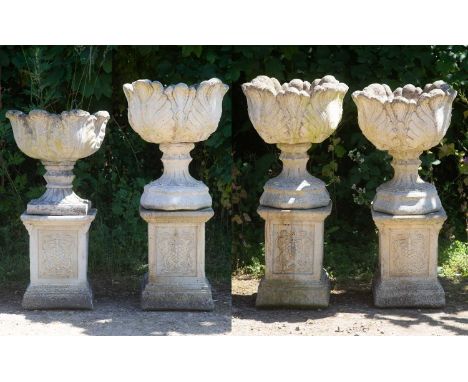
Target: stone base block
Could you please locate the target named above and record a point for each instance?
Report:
(184, 296)
(294, 294)
(58, 297)
(407, 272)
(176, 261)
(58, 254)
(408, 293)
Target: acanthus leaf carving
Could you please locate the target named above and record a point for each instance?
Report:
(405, 122)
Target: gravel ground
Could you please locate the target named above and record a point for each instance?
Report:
(116, 312)
(351, 313)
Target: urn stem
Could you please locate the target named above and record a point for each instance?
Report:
(176, 159)
(294, 158)
(59, 198)
(406, 174)
(59, 175)
(406, 193)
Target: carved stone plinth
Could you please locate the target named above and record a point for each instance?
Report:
(176, 261)
(294, 276)
(58, 251)
(407, 273)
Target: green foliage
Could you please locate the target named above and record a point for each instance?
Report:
(347, 161)
(454, 260)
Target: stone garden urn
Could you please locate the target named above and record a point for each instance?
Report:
(58, 141)
(405, 123)
(295, 204)
(293, 116)
(58, 222)
(406, 210)
(175, 117)
(175, 206)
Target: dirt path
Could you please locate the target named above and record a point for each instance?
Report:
(350, 313)
(117, 312)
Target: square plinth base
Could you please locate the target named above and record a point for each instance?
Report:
(294, 277)
(176, 261)
(408, 293)
(407, 272)
(187, 296)
(58, 254)
(58, 297)
(294, 294)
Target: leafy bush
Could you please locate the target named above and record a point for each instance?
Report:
(454, 260)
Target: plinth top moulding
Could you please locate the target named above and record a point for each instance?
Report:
(68, 136)
(295, 112)
(175, 113)
(407, 121)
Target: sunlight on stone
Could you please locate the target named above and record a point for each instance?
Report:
(207, 323)
(303, 184)
(104, 321)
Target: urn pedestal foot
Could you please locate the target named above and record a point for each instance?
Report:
(407, 272)
(295, 188)
(58, 251)
(176, 189)
(294, 276)
(176, 261)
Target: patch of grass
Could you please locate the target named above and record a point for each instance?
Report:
(256, 269)
(453, 260)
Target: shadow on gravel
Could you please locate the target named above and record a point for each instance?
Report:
(116, 313)
(350, 299)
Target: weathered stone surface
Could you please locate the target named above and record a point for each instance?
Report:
(417, 293)
(407, 273)
(58, 251)
(176, 189)
(58, 297)
(294, 276)
(194, 295)
(405, 123)
(293, 116)
(175, 117)
(295, 188)
(299, 294)
(58, 141)
(176, 261)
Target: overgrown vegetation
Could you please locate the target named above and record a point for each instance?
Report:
(60, 78)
